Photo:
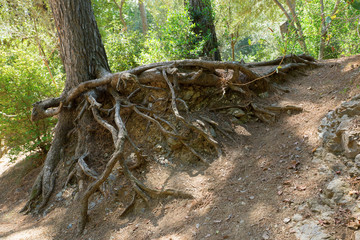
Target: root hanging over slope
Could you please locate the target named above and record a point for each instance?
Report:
(171, 98)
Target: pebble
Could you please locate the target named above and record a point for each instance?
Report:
(92, 205)
(265, 236)
(59, 196)
(287, 220)
(297, 218)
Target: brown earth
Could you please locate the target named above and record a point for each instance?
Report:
(263, 178)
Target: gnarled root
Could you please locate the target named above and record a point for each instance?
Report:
(45, 182)
(153, 94)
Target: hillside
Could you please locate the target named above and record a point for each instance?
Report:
(265, 186)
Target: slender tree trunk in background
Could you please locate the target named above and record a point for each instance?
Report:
(234, 39)
(293, 21)
(201, 13)
(292, 6)
(143, 16)
(120, 6)
(284, 11)
(232, 47)
(84, 58)
(325, 27)
(323, 31)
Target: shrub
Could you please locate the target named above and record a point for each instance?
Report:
(24, 80)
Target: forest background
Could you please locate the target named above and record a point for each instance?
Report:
(136, 33)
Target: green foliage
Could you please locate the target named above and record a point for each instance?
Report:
(170, 35)
(27, 41)
(123, 49)
(355, 4)
(171, 40)
(23, 81)
(261, 20)
(342, 36)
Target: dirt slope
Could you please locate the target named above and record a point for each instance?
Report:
(252, 192)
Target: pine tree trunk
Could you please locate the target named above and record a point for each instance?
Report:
(202, 15)
(143, 16)
(84, 58)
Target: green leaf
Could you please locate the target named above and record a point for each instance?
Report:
(249, 41)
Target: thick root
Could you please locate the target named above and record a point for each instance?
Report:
(149, 92)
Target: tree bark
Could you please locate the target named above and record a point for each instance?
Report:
(143, 16)
(202, 16)
(84, 58)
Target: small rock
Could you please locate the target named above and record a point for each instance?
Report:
(92, 205)
(357, 235)
(336, 189)
(197, 225)
(174, 143)
(212, 132)
(188, 94)
(310, 230)
(297, 218)
(265, 236)
(354, 172)
(357, 161)
(59, 195)
(264, 95)
(238, 113)
(251, 197)
(287, 220)
(158, 148)
(327, 216)
(112, 177)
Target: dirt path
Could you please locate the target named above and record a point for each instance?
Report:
(255, 191)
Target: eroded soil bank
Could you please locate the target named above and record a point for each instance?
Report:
(276, 181)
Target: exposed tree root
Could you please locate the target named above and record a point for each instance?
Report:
(152, 93)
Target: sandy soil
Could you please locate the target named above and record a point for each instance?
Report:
(263, 178)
